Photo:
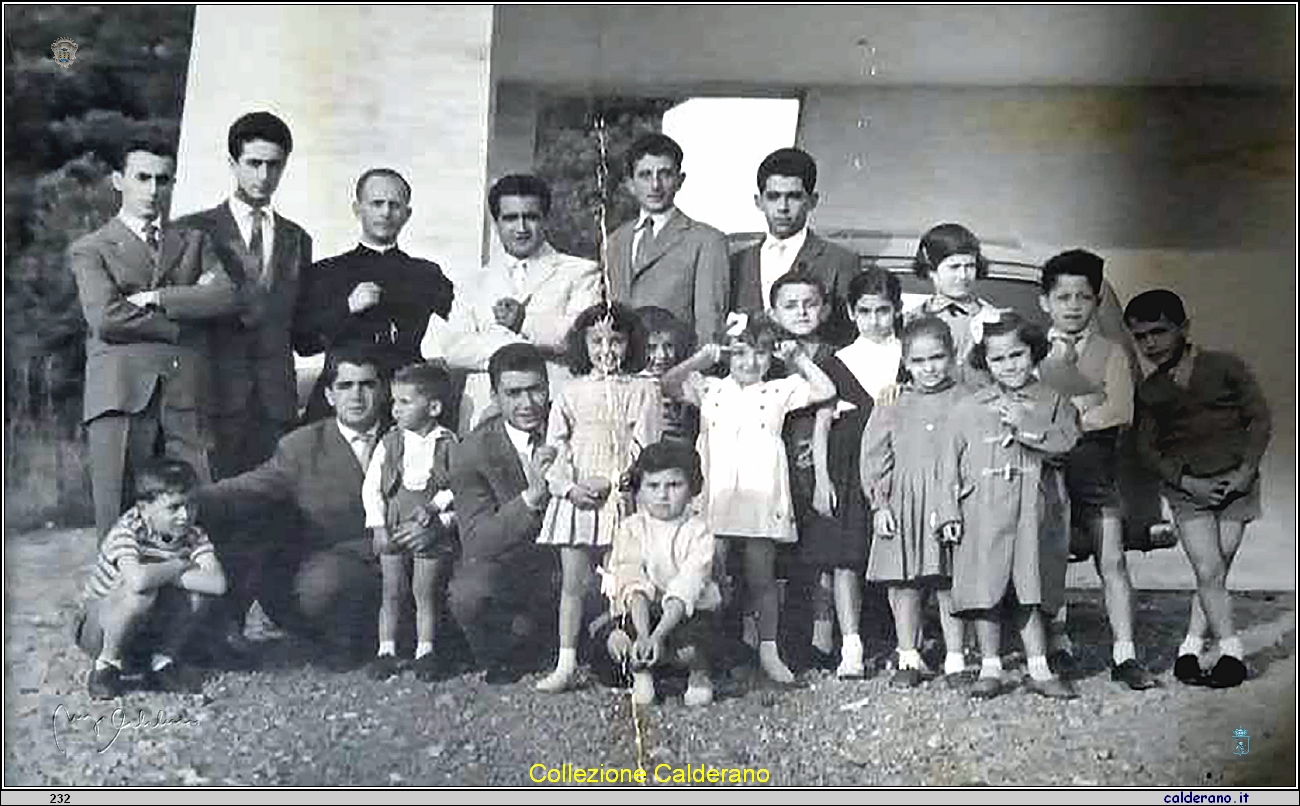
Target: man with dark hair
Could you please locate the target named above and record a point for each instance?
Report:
(665, 258)
(148, 290)
(787, 195)
(503, 578)
(530, 294)
(318, 578)
(375, 294)
(252, 391)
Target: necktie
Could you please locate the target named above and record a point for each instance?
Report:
(519, 274)
(151, 235)
(258, 215)
(363, 445)
(647, 228)
(1069, 352)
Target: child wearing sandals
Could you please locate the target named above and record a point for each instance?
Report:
(997, 486)
(659, 577)
(902, 448)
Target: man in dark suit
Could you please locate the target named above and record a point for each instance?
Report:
(148, 290)
(376, 294)
(665, 258)
(502, 580)
(252, 391)
(787, 194)
(320, 578)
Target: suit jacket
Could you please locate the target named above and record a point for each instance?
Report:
(314, 471)
(131, 350)
(251, 357)
(834, 265)
(487, 480)
(685, 271)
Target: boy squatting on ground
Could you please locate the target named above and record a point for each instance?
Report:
(156, 572)
(659, 578)
(1202, 425)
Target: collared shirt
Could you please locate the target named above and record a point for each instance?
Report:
(775, 259)
(132, 537)
(957, 314)
(243, 215)
(1104, 366)
(660, 219)
(353, 438)
(136, 225)
(376, 247)
(417, 466)
(523, 443)
(521, 268)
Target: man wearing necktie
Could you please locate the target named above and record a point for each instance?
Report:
(319, 578)
(375, 294)
(252, 388)
(664, 258)
(148, 290)
(787, 195)
(530, 294)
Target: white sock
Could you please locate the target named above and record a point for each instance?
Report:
(1191, 645)
(103, 662)
(823, 637)
(1038, 668)
(909, 659)
(1231, 646)
(568, 659)
(954, 663)
(991, 667)
(1123, 651)
(160, 661)
(423, 648)
(852, 644)
(387, 648)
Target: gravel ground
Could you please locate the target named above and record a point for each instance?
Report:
(293, 724)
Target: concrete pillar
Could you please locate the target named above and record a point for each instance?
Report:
(407, 87)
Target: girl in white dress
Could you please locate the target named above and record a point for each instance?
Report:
(747, 488)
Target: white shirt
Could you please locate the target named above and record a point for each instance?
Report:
(136, 225)
(520, 439)
(243, 214)
(874, 364)
(417, 466)
(351, 435)
(660, 219)
(1106, 365)
(381, 248)
(775, 259)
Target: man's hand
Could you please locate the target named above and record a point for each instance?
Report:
(883, 523)
(1203, 491)
(509, 313)
(619, 645)
(590, 493)
(536, 493)
(646, 651)
(380, 540)
(411, 536)
(824, 498)
(365, 295)
(143, 299)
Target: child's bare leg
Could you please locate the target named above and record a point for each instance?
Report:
(1201, 542)
(988, 629)
(955, 660)
(905, 602)
(396, 591)
(1112, 567)
(848, 607)
(1230, 535)
(823, 637)
(575, 568)
(120, 613)
(760, 570)
(426, 581)
(1029, 620)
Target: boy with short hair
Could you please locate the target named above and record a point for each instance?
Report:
(1203, 426)
(156, 572)
(1095, 374)
(408, 506)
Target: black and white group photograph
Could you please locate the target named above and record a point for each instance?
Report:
(386, 410)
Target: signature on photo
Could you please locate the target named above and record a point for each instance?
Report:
(117, 721)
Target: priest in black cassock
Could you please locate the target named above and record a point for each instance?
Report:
(376, 294)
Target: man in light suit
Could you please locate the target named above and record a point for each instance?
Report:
(665, 258)
(787, 194)
(502, 582)
(532, 295)
(320, 578)
(148, 290)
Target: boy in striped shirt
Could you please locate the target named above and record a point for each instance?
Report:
(155, 573)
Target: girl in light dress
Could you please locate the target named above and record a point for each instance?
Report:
(599, 422)
(746, 476)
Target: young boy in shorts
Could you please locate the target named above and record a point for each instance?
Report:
(155, 575)
(1202, 425)
(1096, 375)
